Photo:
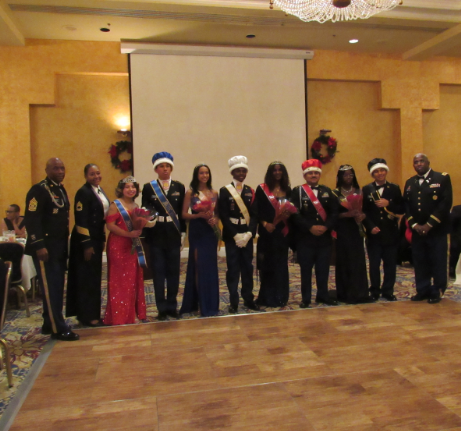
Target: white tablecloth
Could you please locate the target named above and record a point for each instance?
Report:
(28, 271)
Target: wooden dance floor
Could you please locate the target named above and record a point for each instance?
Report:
(385, 366)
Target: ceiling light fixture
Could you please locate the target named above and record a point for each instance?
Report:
(353, 41)
(335, 10)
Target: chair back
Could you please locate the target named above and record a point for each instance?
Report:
(13, 252)
(5, 273)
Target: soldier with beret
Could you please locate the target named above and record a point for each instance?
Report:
(313, 224)
(166, 239)
(237, 213)
(382, 203)
(428, 198)
(47, 224)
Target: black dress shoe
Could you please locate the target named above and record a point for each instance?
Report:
(65, 336)
(233, 309)
(375, 296)
(418, 297)
(173, 314)
(434, 300)
(389, 297)
(304, 305)
(328, 301)
(161, 316)
(251, 305)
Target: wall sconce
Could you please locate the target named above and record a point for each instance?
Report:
(124, 132)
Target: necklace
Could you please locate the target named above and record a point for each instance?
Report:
(345, 190)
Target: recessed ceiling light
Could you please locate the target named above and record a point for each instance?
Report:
(353, 41)
(250, 36)
(104, 29)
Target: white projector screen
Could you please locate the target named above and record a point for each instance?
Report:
(208, 109)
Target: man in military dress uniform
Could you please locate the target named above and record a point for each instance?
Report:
(382, 201)
(237, 214)
(316, 217)
(428, 198)
(166, 239)
(47, 225)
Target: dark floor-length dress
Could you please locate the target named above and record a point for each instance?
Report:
(271, 256)
(125, 284)
(201, 291)
(351, 269)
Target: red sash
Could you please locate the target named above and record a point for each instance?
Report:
(315, 202)
(275, 203)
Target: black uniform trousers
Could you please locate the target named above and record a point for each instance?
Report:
(239, 263)
(165, 265)
(430, 262)
(309, 256)
(51, 275)
(388, 254)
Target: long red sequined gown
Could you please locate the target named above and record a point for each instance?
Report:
(125, 284)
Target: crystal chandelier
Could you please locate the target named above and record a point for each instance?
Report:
(335, 10)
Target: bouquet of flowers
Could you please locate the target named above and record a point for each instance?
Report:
(355, 202)
(284, 209)
(207, 206)
(140, 217)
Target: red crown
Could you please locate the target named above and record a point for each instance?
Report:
(312, 165)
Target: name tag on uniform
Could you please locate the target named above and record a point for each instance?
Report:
(433, 186)
(249, 194)
(175, 194)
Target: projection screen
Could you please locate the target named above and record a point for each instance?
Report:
(206, 109)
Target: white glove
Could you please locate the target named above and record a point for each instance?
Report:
(183, 239)
(151, 223)
(246, 237)
(238, 238)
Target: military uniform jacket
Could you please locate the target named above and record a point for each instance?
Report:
(164, 234)
(228, 209)
(308, 216)
(47, 219)
(89, 217)
(379, 217)
(429, 202)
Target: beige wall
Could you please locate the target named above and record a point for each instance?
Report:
(370, 101)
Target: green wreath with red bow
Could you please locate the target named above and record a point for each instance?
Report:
(331, 144)
(115, 151)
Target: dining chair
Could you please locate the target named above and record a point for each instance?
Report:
(14, 252)
(5, 273)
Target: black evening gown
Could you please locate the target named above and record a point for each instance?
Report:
(351, 268)
(201, 290)
(271, 256)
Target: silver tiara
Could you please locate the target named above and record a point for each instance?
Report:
(129, 179)
(346, 168)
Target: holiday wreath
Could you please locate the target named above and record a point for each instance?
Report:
(116, 150)
(331, 144)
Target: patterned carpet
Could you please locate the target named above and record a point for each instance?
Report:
(23, 333)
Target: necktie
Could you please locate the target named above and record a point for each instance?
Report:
(420, 179)
(314, 187)
(99, 191)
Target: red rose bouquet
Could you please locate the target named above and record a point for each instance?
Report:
(355, 202)
(207, 206)
(140, 217)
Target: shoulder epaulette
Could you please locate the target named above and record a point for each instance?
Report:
(444, 173)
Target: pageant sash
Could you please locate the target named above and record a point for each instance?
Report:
(165, 204)
(129, 225)
(276, 204)
(240, 203)
(317, 205)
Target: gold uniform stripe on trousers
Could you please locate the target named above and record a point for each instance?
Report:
(47, 297)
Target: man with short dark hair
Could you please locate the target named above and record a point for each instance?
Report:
(428, 199)
(237, 214)
(47, 224)
(382, 203)
(166, 239)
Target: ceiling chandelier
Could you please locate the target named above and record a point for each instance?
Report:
(335, 10)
